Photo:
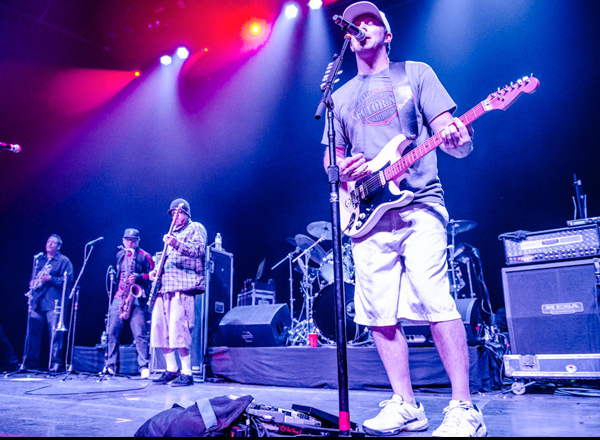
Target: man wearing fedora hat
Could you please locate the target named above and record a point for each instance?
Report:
(400, 264)
(182, 278)
(139, 312)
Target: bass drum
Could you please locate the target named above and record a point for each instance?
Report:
(324, 315)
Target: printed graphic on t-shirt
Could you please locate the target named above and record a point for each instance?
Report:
(376, 107)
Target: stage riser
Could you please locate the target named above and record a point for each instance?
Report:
(317, 367)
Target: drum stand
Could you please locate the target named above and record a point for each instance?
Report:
(291, 281)
(454, 286)
(307, 326)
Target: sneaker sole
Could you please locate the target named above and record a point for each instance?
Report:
(481, 432)
(411, 427)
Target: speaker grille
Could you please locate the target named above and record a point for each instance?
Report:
(552, 308)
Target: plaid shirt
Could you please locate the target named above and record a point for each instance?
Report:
(184, 267)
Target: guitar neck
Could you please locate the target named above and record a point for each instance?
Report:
(402, 164)
(163, 257)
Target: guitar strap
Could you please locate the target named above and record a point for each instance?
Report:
(404, 100)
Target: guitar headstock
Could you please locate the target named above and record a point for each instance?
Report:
(504, 97)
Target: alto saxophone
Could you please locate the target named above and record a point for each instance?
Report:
(36, 283)
(130, 289)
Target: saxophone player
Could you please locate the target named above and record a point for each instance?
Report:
(129, 304)
(46, 287)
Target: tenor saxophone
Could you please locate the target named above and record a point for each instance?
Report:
(130, 289)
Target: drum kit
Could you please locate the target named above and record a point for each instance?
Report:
(316, 266)
(317, 285)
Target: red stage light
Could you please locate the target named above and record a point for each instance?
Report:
(255, 33)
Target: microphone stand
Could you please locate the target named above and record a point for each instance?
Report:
(334, 195)
(29, 294)
(74, 309)
(111, 274)
(580, 200)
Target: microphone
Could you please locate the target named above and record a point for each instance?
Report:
(10, 147)
(36, 256)
(351, 28)
(95, 241)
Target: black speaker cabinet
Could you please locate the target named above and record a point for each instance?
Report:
(553, 308)
(212, 305)
(263, 325)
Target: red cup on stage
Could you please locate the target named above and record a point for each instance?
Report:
(312, 340)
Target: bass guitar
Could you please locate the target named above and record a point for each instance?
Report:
(364, 201)
(159, 269)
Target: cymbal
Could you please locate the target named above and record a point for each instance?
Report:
(317, 253)
(459, 226)
(317, 229)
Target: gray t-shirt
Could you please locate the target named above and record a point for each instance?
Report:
(366, 119)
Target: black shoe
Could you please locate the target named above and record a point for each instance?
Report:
(55, 368)
(166, 377)
(183, 380)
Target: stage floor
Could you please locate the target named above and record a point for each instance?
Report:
(82, 405)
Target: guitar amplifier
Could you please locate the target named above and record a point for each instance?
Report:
(552, 245)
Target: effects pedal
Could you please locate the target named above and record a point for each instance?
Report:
(300, 420)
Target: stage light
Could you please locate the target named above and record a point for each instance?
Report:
(183, 53)
(165, 60)
(137, 73)
(315, 4)
(291, 11)
(255, 33)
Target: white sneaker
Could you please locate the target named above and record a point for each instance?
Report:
(145, 373)
(461, 420)
(395, 417)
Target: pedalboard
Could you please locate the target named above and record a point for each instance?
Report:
(523, 247)
(299, 421)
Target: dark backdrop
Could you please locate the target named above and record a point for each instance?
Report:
(103, 152)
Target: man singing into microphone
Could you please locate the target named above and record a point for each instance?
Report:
(401, 266)
(182, 278)
(133, 268)
(46, 292)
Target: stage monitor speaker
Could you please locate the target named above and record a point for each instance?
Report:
(212, 305)
(419, 335)
(552, 308)
(264, 325)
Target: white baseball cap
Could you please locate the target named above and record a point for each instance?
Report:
(359, 8)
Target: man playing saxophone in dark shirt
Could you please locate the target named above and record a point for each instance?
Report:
(45, 296)
(130, 302)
